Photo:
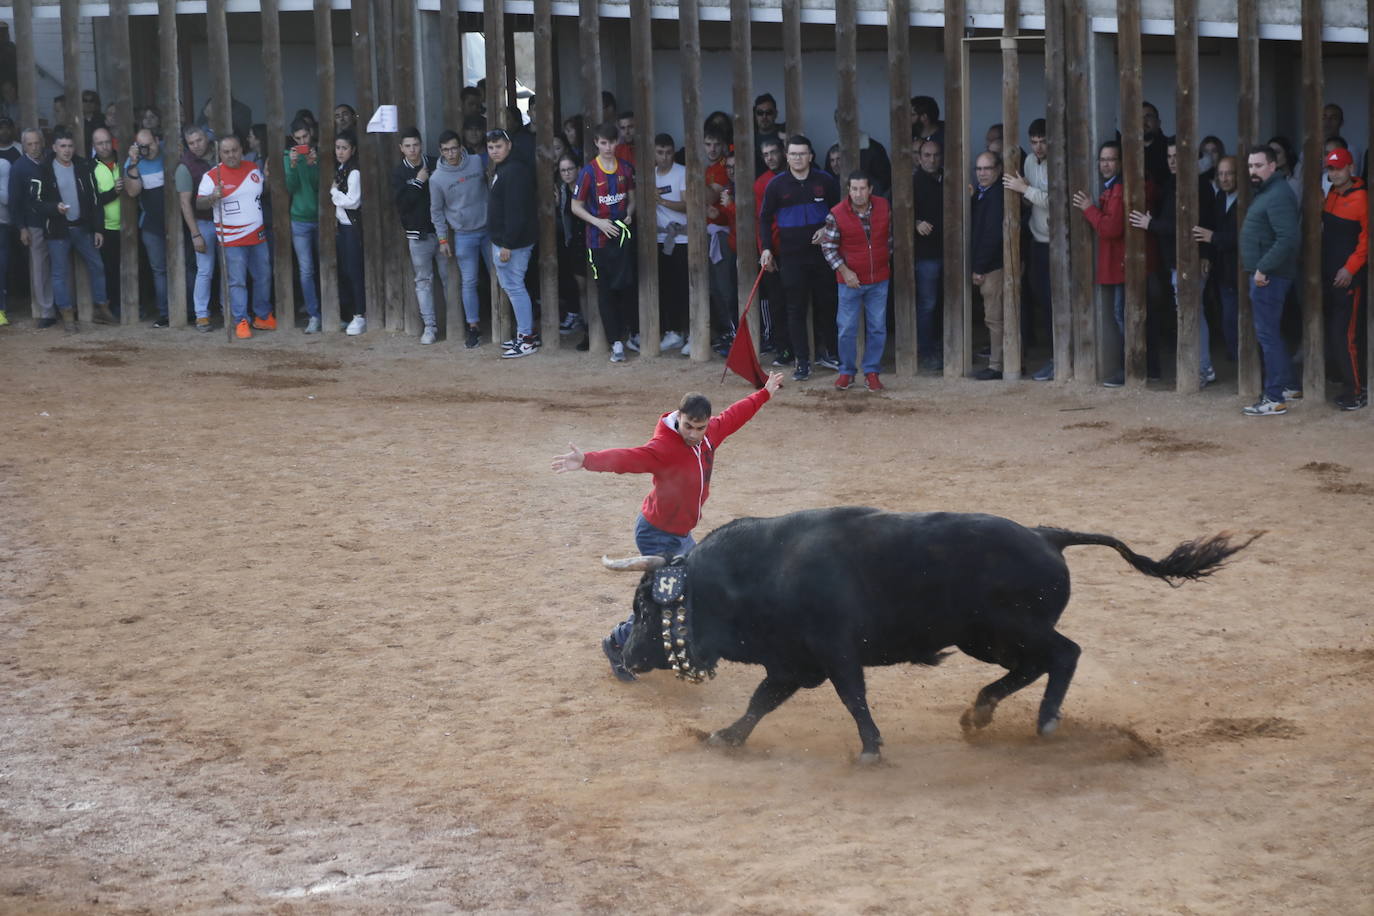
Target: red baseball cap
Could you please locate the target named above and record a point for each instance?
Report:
(1339, 159)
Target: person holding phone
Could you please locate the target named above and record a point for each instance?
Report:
(303, 184)
(145, 177)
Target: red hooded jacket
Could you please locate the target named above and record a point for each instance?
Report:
(682, 474)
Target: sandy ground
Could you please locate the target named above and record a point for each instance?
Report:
(305, 625)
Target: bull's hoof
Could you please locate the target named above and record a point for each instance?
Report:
(869, 758)
(1047, 727)
(976, 717)
(724, 738)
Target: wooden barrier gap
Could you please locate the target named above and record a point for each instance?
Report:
(746, 229)
(698, 276)
(956, 180)
(1188, 293)
(646, 187)
(1133, 185)
(330, 313)
(545, 127)
(283, 271)
(903, 165)
(791, 66)
(129, 297)
(170, 93)
(589, 48)
(1313, 282)
(1012, 314)
(1247, 41)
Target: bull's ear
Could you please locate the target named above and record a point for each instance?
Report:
(638, 564)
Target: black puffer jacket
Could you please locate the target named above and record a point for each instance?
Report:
(44, 197)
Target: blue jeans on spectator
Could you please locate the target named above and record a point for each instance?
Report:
(80, 240)
(205, 267)
(468, 248)
(245, 261)
(652, 542)
(870, 301)
(1230, 308)
(927, 305)
(5, 236)
(155, 249)
(1266, 304)
(305, 239)
(511, 275)
(422, 253)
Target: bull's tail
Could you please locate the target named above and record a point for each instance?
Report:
(1195, 559)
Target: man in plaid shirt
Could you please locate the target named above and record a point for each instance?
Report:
(857, 242)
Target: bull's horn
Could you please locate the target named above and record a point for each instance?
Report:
(636, 563)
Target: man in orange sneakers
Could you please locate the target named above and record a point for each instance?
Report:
(234, 188)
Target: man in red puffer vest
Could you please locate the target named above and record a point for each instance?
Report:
(857, 243)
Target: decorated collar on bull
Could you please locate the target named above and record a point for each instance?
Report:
(668, 591)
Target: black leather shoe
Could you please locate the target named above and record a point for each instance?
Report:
(988, 375)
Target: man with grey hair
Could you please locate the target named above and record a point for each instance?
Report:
(197, 158)
(31, 225)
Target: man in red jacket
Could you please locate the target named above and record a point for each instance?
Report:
(680, 457)
(857, 242)
(1345, 252)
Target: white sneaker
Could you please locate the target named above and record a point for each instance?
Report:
(633, 342)
(617, 352)
(687, 347)
(671, 341)
(524, 347)
(428, 337)
(357, 326)
(313, 325)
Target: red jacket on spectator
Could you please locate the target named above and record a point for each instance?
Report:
(1108, 219)
(761, 185)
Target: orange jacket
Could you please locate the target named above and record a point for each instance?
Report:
(1345, 229)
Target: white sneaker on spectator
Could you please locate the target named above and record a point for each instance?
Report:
(633, 342)
(357, 326)
(671, 341)
(428, 337)
(617, 352)
(687, 347)
(313, 325)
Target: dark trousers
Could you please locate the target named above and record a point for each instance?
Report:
(1038, 267)
(109, 256)
(773, 311)
(808, 282)
(672, 289)
(349, 251)
(613, 268)
(1343, 337)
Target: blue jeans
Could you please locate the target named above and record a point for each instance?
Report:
(305, 239)
(468, 248)
(245, 261)
(205, 268)
(1230, 306)
(927, 304)
(422, 253)
(80, 240)
(155, 249)
(511, 275)
(1266, 304)
(652, 542)
(871, 301)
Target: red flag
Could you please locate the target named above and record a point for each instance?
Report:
(743, 359)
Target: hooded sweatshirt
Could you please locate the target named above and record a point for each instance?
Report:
(458, 196)
(682, 474)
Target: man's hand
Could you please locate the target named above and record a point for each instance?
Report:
(24, 237)
(119, 186)
(1206, 267)
(314, 157)
(503, 255)
(765, 259)
(444, 249)
(63, 208)
(774, 382)
(608, 228)
(198, 243)
(1343, 279)
(977, 279)
(820, 234)
(214, 195)
(1202, 235)
(98, 239)
(1014, 181)
(572, 461)
(851, 279)
(294, 156)
(1081, 200)
(1261, 279)
(924, 228)
(1139, 220)
(133, 154)
(712, 212)
(422, 175)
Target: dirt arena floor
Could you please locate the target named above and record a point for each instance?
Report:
(306, 626)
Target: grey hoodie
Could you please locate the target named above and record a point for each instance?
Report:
(458, 197)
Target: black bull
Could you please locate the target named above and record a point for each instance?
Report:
(821, 594)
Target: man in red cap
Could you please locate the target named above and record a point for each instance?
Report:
(1345, 251)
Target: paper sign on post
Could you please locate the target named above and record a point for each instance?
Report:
(383, 120)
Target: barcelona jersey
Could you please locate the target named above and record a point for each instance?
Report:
(606, 195)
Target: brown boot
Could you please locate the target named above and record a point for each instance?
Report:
(103, 315)
(68, 320)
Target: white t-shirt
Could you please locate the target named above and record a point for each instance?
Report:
(671, 187)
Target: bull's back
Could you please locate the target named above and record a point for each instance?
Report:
(887, 586)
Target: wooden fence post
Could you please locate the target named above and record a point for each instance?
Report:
(494, 30)
(170, 66)
(403, 306)
(26, 66)
(956, 278)
(375, 151)
(545, 127)
(589, 48)
(1313, 152)
(1011, 201)
(222, 124)
(1369, 150)
(646, 187)
(846, 118)
(903, 221)
(330, 314)
(1077, 151)
(283, 272)
(129, 297)
(1133, 184)
(792, 66)
(746, 229)
(698, 277)
(1188, 292)
(80, 279)
(1248, 357)
(451, 68)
